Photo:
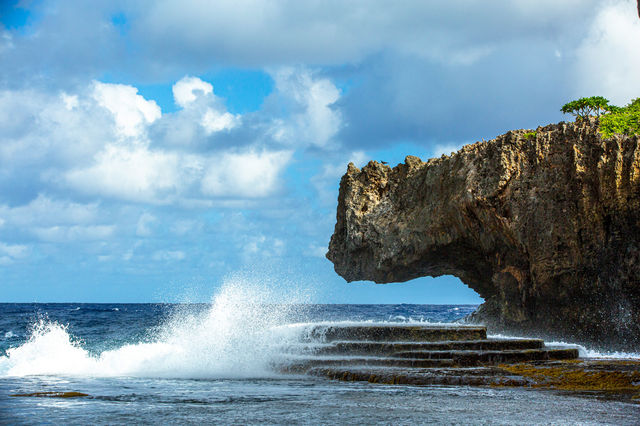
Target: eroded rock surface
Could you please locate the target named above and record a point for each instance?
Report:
(544, 226)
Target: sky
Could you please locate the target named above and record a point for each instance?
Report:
(151, 151)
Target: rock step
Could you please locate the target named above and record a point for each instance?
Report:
(457, 376)
(397, 333)
(384, 348)
(492, 357)
(304, 364)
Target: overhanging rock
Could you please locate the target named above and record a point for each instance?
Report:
(544, 225)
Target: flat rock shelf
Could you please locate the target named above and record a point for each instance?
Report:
(454, 355)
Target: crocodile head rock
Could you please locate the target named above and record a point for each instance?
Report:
(544, 226)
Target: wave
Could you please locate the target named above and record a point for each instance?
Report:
(241, 335)
(596, 354)
(245, 331)
(582, 350)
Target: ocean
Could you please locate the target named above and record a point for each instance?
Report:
(214, 364)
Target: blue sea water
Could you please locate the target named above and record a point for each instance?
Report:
(213, 364)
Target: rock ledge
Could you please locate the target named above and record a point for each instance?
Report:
(544, 226)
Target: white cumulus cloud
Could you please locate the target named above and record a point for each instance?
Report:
(187, 89)
(249, 174)
(135, 174)
(196, 97)
(214, 121)
(131, 111)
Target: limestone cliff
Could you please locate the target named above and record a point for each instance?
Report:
(544, 225)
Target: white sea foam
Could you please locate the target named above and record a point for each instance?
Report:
(241, 335)
(591, 353)
(582, 350)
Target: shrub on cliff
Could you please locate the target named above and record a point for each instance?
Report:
(612, 119)
(586, 107)
(624, 120)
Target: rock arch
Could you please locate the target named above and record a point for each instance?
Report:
(546, 229)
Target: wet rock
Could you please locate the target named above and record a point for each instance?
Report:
(461, 361)
(388, 333)
(618, 379)
(621, 376)
(546, 229)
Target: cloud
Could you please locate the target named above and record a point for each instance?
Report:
(131, 111)
(9, 254)
(13, 251)
(214, 121)
(609, 58)
(89, 169)
(70, 101)
(134, 174)
(44, 130)
(184, 91)
(46, 211)
(313, 119)
(197, 97)
(285, 32)
(199, 121)
(251, 174)
(107, 141)
(94, 141)
(71, 41)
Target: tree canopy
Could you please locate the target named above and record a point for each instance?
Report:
(586, 107)
(615, 120)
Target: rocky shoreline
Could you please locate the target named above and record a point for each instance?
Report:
(543, 224)
(456, 355)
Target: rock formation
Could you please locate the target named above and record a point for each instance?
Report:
(544, 226)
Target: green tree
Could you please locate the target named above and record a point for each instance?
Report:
(586, 107)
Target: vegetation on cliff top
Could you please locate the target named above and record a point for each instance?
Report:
(586, 107)
(624, 120)
(612, 119)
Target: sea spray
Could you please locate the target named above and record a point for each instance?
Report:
(582, 350)
(250, 327)
(241, 335)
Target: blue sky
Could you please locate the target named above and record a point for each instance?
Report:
(152, 150)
